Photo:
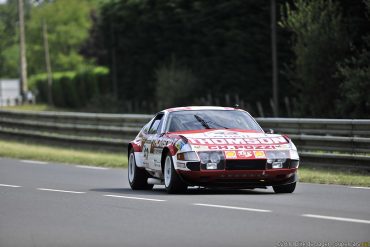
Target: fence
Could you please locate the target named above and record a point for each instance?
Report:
(327, 142)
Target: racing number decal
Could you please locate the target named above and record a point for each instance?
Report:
(146, 152)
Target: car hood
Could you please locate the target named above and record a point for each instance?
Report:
(230, 139)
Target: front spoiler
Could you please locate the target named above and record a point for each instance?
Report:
(239, 179)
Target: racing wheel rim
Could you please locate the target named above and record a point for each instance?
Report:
(131, 168)
(167, 171)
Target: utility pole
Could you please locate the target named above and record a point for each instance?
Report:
(275, 82)
(114, 60)
(22, 45)
(47, 61)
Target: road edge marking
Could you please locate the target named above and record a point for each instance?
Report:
(359, 187)
(136, 198)
(10, 185)
(34, 162)
(63, 191)
(232, 207)
(336, 218)
(92, 167)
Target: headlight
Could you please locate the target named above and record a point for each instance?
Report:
(278, 159)
(187, 156)
(204, 157)
(212, 160)
(215, 158)
(294, 155)
(277, 154)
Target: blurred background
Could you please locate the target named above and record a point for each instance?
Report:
(302, 58)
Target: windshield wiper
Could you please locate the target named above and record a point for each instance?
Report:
(206, 123)
(202, 121)
(219, 125)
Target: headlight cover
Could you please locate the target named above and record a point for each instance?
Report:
(212, 160)
(282, 154)
(278, 158)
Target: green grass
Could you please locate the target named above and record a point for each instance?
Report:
(30, 151)
(32, 107)
(331, 176)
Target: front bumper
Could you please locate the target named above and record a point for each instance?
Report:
(240, 178)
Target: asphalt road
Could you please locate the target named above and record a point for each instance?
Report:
(67, 205)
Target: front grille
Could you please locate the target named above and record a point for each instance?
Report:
(246, 165)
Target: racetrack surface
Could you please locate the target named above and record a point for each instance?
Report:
(66, 205)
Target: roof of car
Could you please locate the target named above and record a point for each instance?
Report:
(197, 108)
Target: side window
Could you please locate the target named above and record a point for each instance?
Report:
(156, 124)
(146, 128)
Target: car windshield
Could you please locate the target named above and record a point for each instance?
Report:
(211, 119)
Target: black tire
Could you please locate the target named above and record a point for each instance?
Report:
(172, 181)
(137, 177)
(287, 188)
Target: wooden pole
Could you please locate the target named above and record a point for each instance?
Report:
(275, 82)
(22, 51)
(47, 61)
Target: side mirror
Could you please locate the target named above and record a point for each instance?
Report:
(269, 131)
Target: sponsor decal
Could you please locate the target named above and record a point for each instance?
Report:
(244, 154)
(238, 141)
(230, 154)
(241, 147)
(146, 152)
(179, 144)
(259, 154)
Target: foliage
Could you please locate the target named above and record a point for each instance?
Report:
(175, 84)
(320, 42)
(67, 23)
(9, 51)
(73, 89)
(225, 45)
(355, 88)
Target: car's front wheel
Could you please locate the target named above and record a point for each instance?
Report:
(172, 181)
(137, 177)
(287, 188)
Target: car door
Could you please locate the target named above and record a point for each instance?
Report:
(151, 148)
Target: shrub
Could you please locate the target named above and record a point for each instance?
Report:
(72, 89)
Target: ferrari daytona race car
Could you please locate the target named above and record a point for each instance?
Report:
(210, 147)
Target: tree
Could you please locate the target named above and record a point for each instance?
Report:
(175, 84)
(319, 43)
(68, 24)
(354, 99)
(225, 44)
(9, 45)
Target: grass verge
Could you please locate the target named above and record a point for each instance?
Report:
(331, 176)
(18, 150)
(33, 107)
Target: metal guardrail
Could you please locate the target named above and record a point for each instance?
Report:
(322, 127)
(319, 141)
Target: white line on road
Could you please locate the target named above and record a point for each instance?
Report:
(64, 191)
(10, 185)
(336, 218)
(34, 162)
(136, 198)
(93, 167)
(365, 188)
(236, 208)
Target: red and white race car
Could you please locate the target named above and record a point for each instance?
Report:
(210, 147)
